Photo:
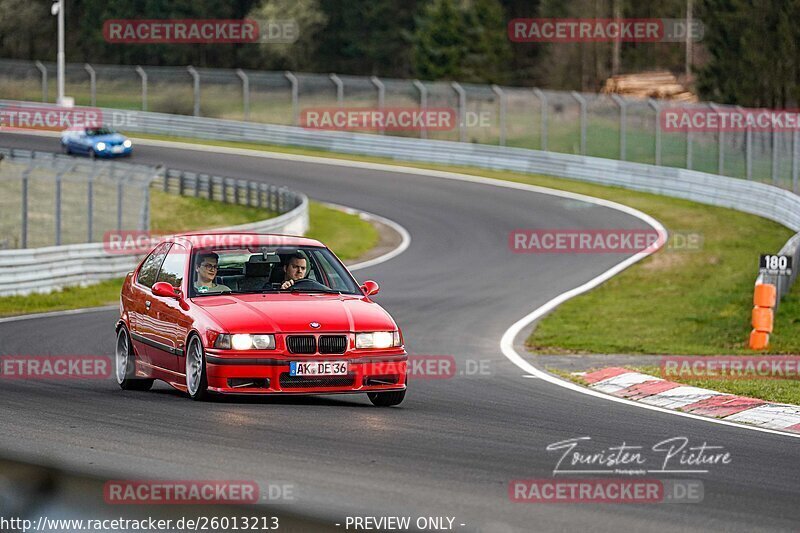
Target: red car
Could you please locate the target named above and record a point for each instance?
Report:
(255, 314)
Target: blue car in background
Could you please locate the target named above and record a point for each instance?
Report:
(97, 141)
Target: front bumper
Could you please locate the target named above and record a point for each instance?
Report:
(110, 152)
(270, 375)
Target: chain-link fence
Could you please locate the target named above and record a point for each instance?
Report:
(599, 125)
(51, 200)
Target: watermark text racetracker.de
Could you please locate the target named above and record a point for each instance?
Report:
(55, 367)
(718, 119)
(57, 118)
(140, 242)
(391, 119)
(731, 367)
(200, 31)
(601, 241)
(195, 492)
(577, 30)
(616, 491)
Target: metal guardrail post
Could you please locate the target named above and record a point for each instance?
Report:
(295, 97)
(92, 83)
(43, 70)
(24, 206)
(245, 93)
(462, 110)
(144, 223)
(543, 117)
(622, 123)
(381, 95)
(195, 89)
(720, 143)
(748, 149)
(774, 155)
(582, 102)
(657, 148)
(142, 74)
(689, 154)
(90, 205)
(337, 81)
(501, 95)
(423, 105)
(795, 166)
(120, 196)
(58, 209)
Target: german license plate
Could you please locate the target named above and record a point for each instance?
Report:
(117, 149)
(318, 368)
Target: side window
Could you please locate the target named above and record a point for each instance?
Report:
(174, 267)
(149, 270)
(336, 281)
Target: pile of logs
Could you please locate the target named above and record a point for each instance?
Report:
(662, 84)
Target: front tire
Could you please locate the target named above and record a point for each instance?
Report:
(125, 364)
(386, 399)
(196, 378)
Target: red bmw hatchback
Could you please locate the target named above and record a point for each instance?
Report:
(255, 314)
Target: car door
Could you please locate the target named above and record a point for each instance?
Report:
(139, 312)
(170, 322)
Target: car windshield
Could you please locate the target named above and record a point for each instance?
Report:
(99, 131)
(267, 269)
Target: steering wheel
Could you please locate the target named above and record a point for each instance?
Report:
(316, 284)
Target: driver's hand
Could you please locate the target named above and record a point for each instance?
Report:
(287, 284)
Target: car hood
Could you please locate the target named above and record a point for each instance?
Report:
(293, 312)
(110, 138)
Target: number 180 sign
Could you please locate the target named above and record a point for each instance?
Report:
(775, 264)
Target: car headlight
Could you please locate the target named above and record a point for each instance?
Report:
(378, 339)
(100, 146)
(244, 341)
(127, 143)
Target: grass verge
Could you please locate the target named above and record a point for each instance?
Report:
(347, 235)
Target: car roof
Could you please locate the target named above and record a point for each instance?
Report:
(221, 239)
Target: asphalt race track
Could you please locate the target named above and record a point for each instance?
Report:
(454, 445)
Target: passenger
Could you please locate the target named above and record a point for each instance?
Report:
(294, 270)
(207, 266)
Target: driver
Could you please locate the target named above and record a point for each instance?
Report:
(207, 266)
(294, 270)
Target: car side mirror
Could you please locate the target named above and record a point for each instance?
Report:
(370, 287)
(162, 288)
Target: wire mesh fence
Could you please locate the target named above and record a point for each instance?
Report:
(51, 200)
(601, 125)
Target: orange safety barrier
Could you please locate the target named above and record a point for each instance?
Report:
(759, 340)
(765, 295)
(763, 317)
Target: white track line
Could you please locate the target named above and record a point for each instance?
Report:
(507, 341)
(59, 313)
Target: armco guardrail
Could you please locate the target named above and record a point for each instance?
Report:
(38, 270)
